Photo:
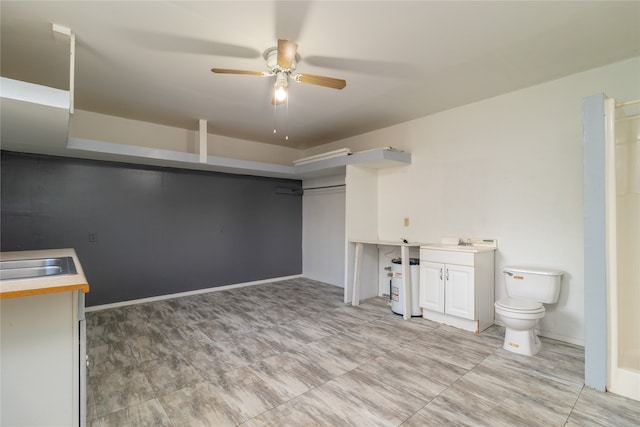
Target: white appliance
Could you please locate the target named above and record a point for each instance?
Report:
(397, 288)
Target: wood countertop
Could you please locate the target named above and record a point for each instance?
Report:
(13, 288)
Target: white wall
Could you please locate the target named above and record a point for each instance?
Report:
(323, 230)
(509, 168)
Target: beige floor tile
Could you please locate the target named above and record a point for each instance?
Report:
(146, 414)
(291, 353)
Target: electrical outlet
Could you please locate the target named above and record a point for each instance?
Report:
(93, 237)
(406, 221)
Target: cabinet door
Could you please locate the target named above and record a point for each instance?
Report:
(432, 286)
(39, 357)
(459, 291)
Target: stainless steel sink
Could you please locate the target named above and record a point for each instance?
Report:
(37, 267)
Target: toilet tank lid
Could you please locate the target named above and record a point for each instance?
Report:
(533, 270)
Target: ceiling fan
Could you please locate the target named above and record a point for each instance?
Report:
(281, 62)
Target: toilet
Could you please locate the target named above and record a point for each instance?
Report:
(528, 288)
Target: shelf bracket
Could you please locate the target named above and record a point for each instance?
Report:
(65, 31)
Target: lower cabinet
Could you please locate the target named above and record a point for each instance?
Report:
(42, 379)
(457, 287)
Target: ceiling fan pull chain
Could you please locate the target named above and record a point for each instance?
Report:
(275, 113)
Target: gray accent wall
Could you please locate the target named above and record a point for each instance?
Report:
(145, 231)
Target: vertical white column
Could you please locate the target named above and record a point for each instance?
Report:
(203, 141)
(406, 281)
(72, 60)
(595, 281)
(72, 72)
(355, 300)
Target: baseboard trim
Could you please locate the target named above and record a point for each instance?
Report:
(188, 293)
(562, 338)
(551, 335)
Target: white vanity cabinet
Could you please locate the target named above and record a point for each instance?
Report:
(457, 286)
(43, 340)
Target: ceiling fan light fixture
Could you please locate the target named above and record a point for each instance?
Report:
(280, 88)
(281, 62)
(281, 94)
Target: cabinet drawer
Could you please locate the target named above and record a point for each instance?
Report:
(447, 257)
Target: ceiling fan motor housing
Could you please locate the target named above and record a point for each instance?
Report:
(271, 57)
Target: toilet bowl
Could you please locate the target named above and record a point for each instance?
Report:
(527, 288)
(520, 323)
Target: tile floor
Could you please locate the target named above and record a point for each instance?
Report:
(290, 353)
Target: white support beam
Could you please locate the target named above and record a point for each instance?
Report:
(72, 72)
(65, 31)
(203, 141)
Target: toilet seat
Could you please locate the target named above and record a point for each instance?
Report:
(520, 306)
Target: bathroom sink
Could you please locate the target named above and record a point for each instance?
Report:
(448, 246)
(38, 267)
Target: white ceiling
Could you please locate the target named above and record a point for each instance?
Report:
(151, 60)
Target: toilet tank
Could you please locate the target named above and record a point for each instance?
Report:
(536, 284)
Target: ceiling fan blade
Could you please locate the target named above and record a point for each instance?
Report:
(376, 67)
(290, 17)
(286, 53)
(321, 81)
(228, 71)
(160, 40)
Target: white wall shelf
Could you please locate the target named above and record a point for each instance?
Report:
(35, 118)
(374, 159)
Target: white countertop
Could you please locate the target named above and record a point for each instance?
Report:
(13, 288)
(457, 248)
(386, 242)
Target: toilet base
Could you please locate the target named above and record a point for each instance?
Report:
(524, 342)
